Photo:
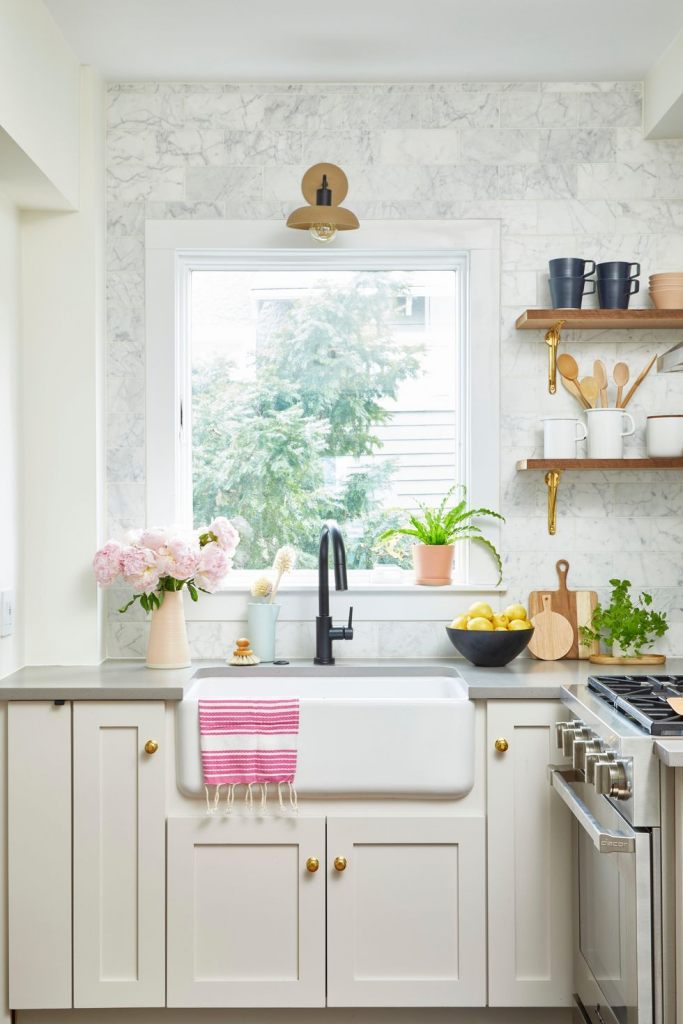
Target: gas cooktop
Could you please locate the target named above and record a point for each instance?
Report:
(643, 699)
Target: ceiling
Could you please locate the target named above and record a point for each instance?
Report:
(369, 40)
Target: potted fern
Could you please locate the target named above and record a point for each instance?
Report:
(436, 531)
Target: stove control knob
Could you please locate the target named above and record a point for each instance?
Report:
(562, 727)
(610, 779)
(569, 736)
(582, 747)
(592, 758)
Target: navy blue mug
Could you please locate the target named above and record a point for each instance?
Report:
(615, 292)
(618, 270)
(568, 292)
(570, 267)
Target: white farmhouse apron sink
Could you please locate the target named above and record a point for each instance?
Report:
(362, 731)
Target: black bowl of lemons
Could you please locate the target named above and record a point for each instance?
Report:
(489, 638)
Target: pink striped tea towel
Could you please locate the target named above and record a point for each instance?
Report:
(248, 742)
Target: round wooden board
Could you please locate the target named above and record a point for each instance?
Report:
(646, 659)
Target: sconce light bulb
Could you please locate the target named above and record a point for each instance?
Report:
(323, 232)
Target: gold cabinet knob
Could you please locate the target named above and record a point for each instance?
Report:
(340, 863)
(501, 745)
(312, 864)
(151, 747)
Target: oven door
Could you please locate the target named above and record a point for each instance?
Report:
(616, 949)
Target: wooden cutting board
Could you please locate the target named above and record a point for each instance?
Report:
(577, 606)
(553, 634)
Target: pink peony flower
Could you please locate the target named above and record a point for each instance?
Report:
(214, 566)
(225, 533)
(107, 563)
(139, 568)
(155, 539)
(178, 558)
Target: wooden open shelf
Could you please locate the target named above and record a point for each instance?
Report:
(605, 319)
(587, 464)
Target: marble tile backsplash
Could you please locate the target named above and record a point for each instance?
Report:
(565, 169)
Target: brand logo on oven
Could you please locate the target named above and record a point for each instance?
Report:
(607, 843)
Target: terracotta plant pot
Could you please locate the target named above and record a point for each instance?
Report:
(168, 647)
(433, 564)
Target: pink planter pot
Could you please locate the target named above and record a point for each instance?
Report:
(433, 564)
(168, 647)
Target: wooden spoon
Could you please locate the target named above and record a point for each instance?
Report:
(638, 381)
(590, 389)
(568, 367)
(572, 387)
(600, 374)
(621, 375)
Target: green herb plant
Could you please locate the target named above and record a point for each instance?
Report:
(632, 626)
(447, 525)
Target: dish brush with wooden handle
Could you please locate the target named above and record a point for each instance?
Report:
(243, 655)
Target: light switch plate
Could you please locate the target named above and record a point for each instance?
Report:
(6, 612)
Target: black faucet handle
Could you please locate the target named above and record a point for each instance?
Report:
(350, 625)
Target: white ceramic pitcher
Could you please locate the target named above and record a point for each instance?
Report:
(607, 429)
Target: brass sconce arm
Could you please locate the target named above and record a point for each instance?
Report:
(552, 340)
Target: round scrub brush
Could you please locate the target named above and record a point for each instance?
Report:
(261, 587)
(285, 560)
(243, 655)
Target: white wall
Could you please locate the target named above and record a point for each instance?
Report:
(63, 311)
(39, 96)
(11, 647)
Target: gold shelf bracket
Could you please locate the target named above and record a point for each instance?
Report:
(552, 340)
(552, 479)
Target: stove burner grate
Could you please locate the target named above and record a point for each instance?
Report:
(643, 699)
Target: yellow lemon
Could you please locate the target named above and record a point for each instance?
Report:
(480, 610)
(480, 623)
(500, 629)
(500, 620)
(520, 624)
(460, 622)
(515, 611)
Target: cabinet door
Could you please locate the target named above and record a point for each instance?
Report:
(39, 820)
(246, 918)
(406, 918)
(529, 859)
(119, 854)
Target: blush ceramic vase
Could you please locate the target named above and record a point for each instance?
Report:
(433, 564)
(168, 646)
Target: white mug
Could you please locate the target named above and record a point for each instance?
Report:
(606, 432)
(560, 436)
(664, 436)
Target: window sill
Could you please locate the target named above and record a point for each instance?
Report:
(232, 589)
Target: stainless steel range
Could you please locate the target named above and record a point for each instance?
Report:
(621, 798)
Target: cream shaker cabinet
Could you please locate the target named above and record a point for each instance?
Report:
(529, 859)
(119, 853)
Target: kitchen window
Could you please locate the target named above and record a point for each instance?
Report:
(312, 385)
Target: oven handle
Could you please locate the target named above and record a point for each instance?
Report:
(605, 840)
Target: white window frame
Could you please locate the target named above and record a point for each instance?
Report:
(175, 248)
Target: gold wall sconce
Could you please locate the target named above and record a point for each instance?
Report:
(324, 187)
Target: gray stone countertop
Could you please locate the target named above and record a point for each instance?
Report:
(129, 680)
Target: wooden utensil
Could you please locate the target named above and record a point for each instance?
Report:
(568, 368)
(676, 703)
(621, 375)
(600, 374)
(573, 389)
(590, 389)
(577, 606)
(644, 659)
(638, 381)
(553, 634)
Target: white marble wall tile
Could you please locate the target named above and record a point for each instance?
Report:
(518, 287)
(585, 571)
(606, 535)
(632, 87)
(257, 210)
(215, 183)
(650, 569)
(208, 639)
(667, 534)
(135, 184)
(253, 111)
(632, 147)
(453, 183)
(117, 597)
(125, 395)
(126, 499)
(615, 109)
(516, 216)
(657, 499)
(529, 534)
(120, 527)
(341, 147)
(423, 639)
(422, 146)
(518, 358)
(460, 110)
(669, 253)
(669, 600)
(295, 640)
(577, 145)
(125, 219)
(520, 429)
(185, 211)
(363, 645)
(125, 429)
(125, 252)
(500, 86)
(618, 181)
(259, 148)
(670, 180)
(126, 640)
(126, 464)
(186, 147)
(158, 107)
(659, 216)
(126, 288)
(538, 110)
(405, 210)
(125, 359)
(576, 216)
(492, 146)
(578, 499)
(538, 181)
(529, 252)
(369, 111)
(125, 325)
(125, 148)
